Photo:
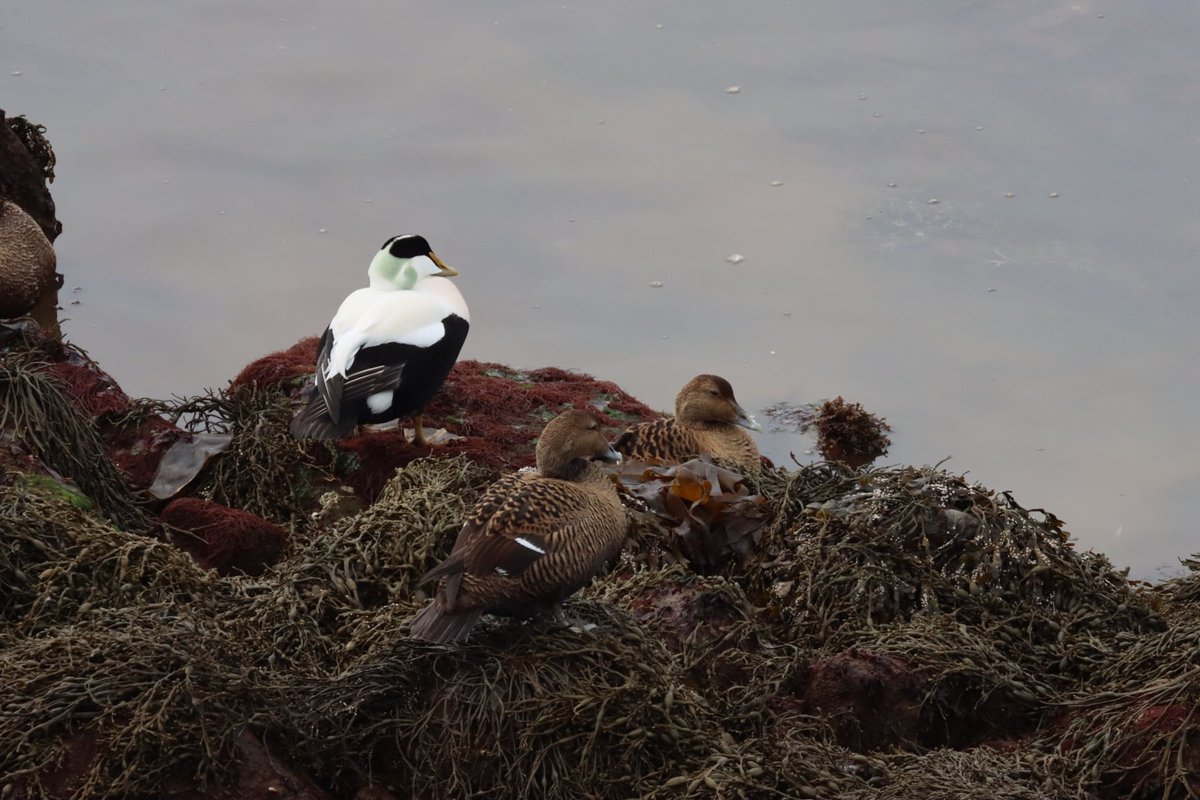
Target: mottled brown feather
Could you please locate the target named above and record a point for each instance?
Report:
(577, 523)
(27, 261)
(703, 425)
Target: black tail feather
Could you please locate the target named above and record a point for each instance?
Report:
(313, 422)
(438, 625)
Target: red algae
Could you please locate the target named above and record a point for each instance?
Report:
(280, 369)
(872, 700)
(92, 390)
(137, 450)
(497, 410)
(225, 539)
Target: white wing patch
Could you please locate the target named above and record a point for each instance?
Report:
(526, 543)
(380, 401)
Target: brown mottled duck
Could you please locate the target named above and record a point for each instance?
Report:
(534, 538)
(708, 421)
(27, 261)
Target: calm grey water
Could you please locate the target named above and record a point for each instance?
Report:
(229, 168)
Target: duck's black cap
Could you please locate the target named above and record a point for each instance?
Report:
(410, 245)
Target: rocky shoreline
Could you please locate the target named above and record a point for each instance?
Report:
(193, 604)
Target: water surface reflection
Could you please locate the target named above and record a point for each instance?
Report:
(227, 170)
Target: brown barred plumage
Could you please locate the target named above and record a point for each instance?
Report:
(533, 538)
(708, 422)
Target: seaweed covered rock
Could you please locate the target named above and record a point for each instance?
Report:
(852, 550)
(717, 636)
(144, 702)
(489, 412)
(59, 563)
(952, 682)
(535, 710)
(871, 701)
(41, 409)
(346, 588)
(26, 164)
(980, 774)
(871, 616)
(1132, 730)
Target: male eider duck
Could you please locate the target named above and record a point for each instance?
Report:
(534, 537)
(390, 345)
(708, 422)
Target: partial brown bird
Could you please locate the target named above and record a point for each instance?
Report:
(27, 261)
(708, 422)
(534, 538)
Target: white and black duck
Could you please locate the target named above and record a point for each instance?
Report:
(390, 346)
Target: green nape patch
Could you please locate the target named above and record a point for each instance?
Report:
(51, 487)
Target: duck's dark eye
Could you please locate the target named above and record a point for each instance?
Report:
(713, 392)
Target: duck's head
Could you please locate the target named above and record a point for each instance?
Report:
(404, 260)
(568, 444)
(709, 398)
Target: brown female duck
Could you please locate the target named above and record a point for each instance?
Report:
(708, 422)
(533, 538)
(27, 261)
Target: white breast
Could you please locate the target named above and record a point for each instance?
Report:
(369, 317)
(445, 290)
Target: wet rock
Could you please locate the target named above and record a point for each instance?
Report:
(23, 179)
(27, 262)
(225, 539)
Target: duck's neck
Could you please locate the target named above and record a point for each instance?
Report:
(388, 273)
(576, 470)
